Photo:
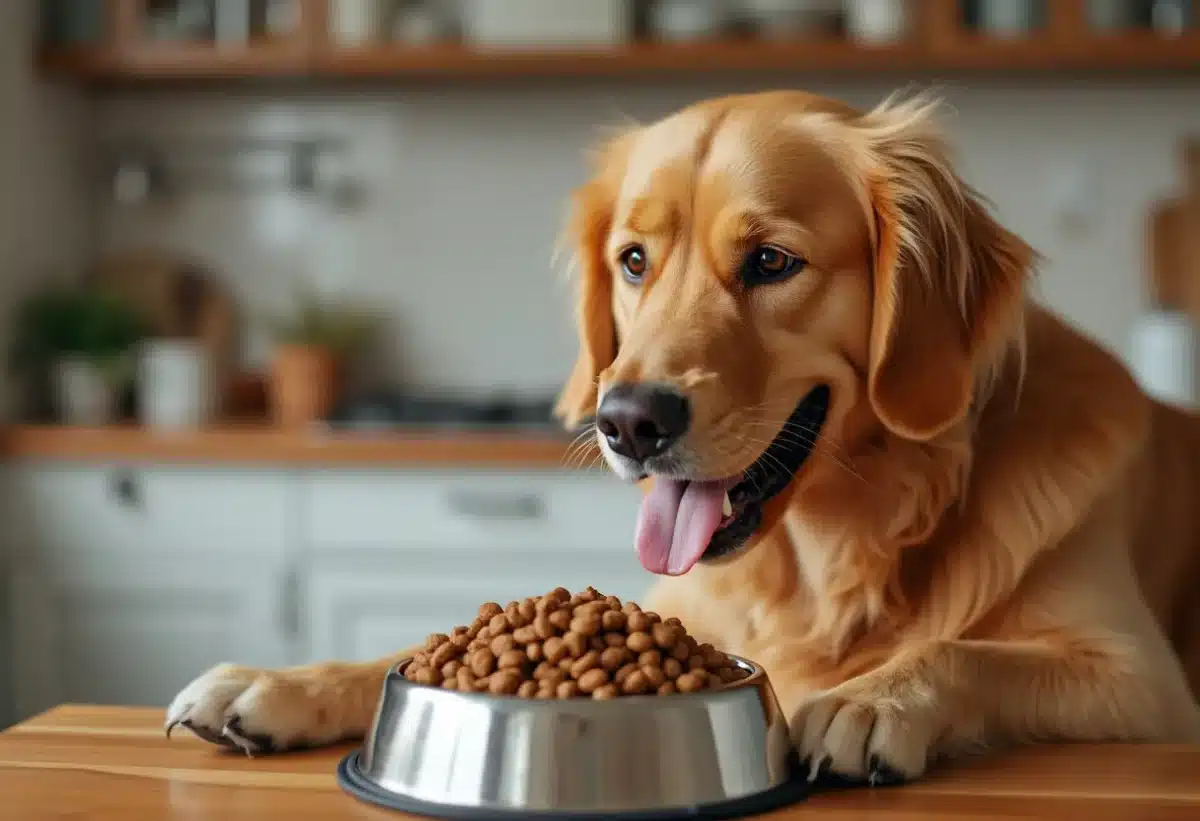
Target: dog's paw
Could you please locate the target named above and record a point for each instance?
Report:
(859, 737)
(255, 711)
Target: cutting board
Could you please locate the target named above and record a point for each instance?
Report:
(179, 300)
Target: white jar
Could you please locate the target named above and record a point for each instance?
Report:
(877, 21)
(175, 387)
(359, 22)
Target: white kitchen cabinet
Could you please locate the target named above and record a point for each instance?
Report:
(127, 582)
(396, 556)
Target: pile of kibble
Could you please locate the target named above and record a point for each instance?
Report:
(561, 645)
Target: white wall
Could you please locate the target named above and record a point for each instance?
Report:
(45, 214)
(468, 184)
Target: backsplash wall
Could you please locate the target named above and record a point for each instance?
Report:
(465, 188)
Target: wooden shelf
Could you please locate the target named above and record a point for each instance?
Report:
(939, 43)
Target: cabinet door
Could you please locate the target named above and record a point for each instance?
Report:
(362, 607)
(127, 584)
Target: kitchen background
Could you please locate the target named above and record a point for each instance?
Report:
(410, 192)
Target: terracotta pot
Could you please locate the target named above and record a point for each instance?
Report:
(304, 384)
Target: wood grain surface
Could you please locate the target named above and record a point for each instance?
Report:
(262, 444)
(114, 764)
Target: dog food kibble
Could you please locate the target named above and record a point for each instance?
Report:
(560, 645)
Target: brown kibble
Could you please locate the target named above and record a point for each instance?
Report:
(555, 650)
(584, 663)
(650, 658)
(624, 673)
(483, 663)
(560, 619)
(563, 646)
(442, 654)
(576, 644)
(612, 620)
(527, 609)
(639, 642)
(512, 660)
(428, 676)
(613, 657)
(586, 625)
(638, 622)
(664, 635)
(606, 692)
(502, 644)
(654, 675)
(592, 680)
(635, 683)
(505, 682)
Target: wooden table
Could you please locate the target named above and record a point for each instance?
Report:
(102, 763)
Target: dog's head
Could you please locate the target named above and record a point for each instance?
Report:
(771, 277)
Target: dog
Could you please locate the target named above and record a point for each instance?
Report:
(941, 517)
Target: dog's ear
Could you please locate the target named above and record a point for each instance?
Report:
(949, 281)
(587, 231)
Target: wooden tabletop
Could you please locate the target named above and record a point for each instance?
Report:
(114, 764)
(267, 445)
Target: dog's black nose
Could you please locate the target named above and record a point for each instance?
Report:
(642, 420)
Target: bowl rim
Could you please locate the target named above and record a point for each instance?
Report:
(757, 679)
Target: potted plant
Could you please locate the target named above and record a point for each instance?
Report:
(313, 346)
(84, 342)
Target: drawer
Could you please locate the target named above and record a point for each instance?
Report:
(557, 510)
(77, 513)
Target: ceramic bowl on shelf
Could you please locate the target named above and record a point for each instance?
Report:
(718, 753)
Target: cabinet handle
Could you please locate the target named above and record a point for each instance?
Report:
(288, 617)
(125, 488)
(492, 506)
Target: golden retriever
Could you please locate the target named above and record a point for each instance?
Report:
(942, 518)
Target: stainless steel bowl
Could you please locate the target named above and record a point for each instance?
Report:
(464, 756)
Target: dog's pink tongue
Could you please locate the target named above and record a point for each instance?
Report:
(676, 522)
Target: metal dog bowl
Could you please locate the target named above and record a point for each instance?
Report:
(466, 756)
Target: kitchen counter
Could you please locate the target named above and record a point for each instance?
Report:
(114, 764)
(262, 444)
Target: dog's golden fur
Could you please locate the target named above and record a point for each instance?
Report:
(993, 540)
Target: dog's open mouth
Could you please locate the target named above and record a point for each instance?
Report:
(683, 522)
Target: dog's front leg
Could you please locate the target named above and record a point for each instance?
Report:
(274, 710)
(944, 697)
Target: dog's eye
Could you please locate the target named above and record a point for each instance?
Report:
(633, 263)
(767, 264)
